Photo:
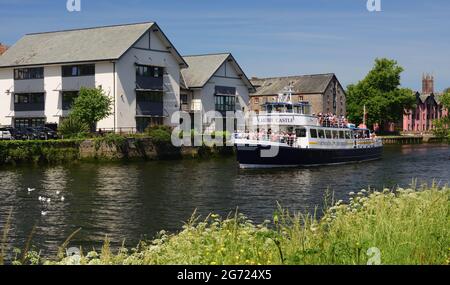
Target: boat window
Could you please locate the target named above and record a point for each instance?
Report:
(321, 134)
(335, 135)
(328, 133)
(348, 135)
(301, 133)
(341, 135)
(313, 133)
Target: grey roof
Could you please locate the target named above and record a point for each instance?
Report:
(203, 67)
(304, 84)
(82, 45)
(424, 97)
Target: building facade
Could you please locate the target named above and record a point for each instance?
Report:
(428, 109)
(3, 48)
(323, 92)
(136, 64)
(214, 83)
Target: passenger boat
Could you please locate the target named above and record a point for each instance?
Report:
(287, 135)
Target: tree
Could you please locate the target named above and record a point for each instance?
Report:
(380, 92)
(442, 126)
(91, 106)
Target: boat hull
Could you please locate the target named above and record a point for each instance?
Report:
(250, 156)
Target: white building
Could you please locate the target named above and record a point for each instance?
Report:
(135, 64)
(214, 83)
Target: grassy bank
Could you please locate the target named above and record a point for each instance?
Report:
(408, 227)
(111, 147)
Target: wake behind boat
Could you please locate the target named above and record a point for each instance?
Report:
(295, 138)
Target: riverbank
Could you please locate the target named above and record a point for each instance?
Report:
(401, 227)
(107, 148)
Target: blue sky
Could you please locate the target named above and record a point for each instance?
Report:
(271, 37)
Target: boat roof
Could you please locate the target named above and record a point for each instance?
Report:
(286, 103)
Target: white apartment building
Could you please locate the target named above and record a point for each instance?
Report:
(214, 83)
(135, 64)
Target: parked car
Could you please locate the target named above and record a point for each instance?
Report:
(5, 134)
(46, 133)
(17, 134)
(41, 133)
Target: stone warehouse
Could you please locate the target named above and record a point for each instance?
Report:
(323, 92)
(135, 64)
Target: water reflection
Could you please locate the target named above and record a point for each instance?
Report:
(133, 201)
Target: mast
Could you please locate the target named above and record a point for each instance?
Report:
(365, 115)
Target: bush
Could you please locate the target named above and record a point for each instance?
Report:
(406, 226)
(73, 127)
(13, 152)
(160, 134)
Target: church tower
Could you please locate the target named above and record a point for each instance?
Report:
(427, 84)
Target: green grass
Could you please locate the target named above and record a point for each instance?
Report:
(408, 227)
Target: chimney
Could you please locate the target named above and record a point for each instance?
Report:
(427, 84)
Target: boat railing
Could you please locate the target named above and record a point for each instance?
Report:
(274, 138)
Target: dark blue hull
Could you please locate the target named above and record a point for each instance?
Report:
(250, 156)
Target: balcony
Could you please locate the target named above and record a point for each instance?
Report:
(29, 107)
(149, 83)
(149, 108)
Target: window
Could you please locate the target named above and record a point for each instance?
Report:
(301, 133)
(68, 98)
(300, 99)
(313, 133)
(184, 99)
(225, 103)
(146, 122)
(348, 135)
(149, 96)
(149, 71)
(29, 122)
(335, 135)
(321, 134)
(328, 134)
(29, 98)
(256, 100)
(341, 135)
(78, 70)
(28, 73)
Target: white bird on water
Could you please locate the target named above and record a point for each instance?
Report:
(31, 190)
(58, 192)
(40, 198)
(62, 199)
(49, 200)
(44, 213)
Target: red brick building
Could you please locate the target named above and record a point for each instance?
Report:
(3, 48)
(428, 108)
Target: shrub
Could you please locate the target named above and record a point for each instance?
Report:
(160, 134)
(73, 127)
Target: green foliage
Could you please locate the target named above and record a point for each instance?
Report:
(112, 140)
(56, 151)
(91, 106)
(407, 226)
(380, 92)
(445, 99)
(73, 127)
(160, 134)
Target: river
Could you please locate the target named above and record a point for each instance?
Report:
(133, 201)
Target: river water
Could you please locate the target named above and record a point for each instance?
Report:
(133, 201)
